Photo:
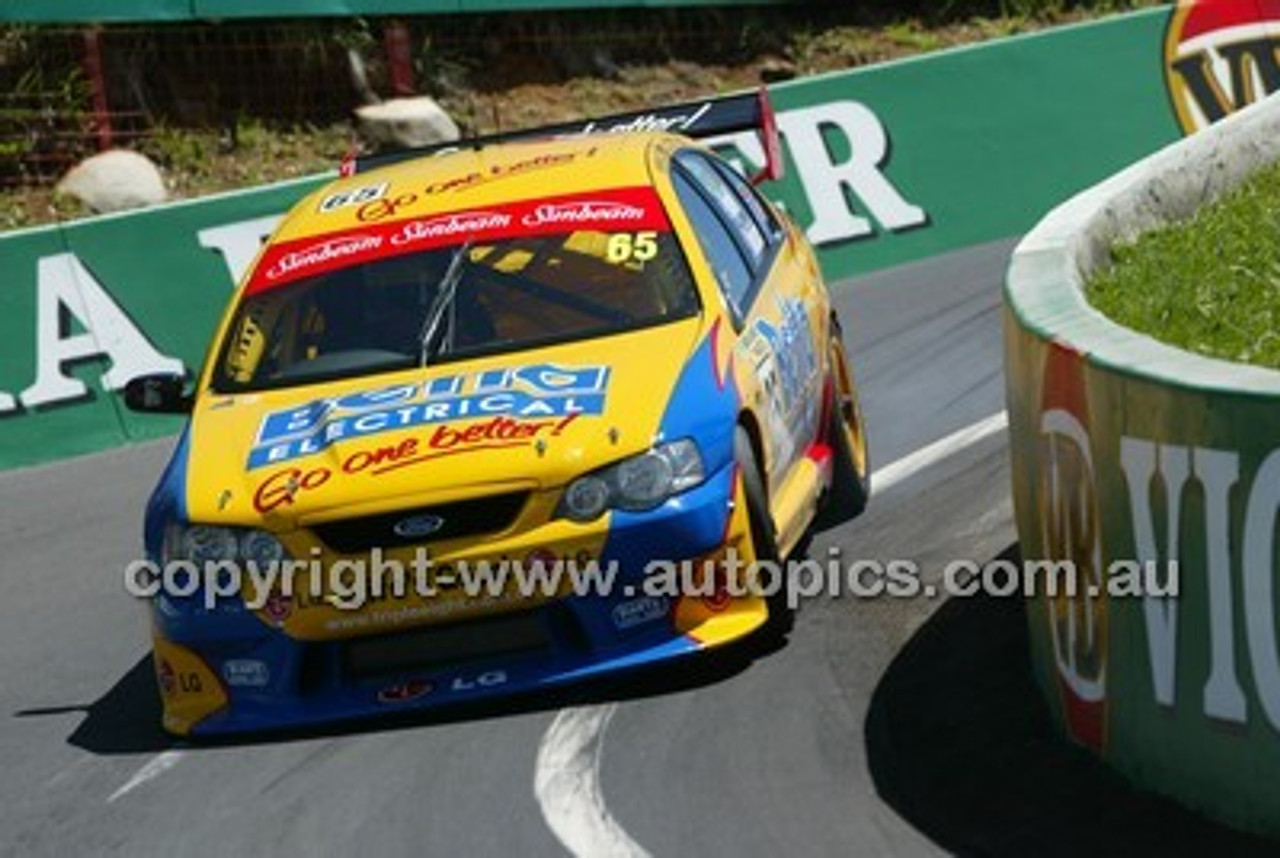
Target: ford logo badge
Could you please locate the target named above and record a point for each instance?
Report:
(417, 526)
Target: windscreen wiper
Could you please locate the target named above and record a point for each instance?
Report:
(442, 307)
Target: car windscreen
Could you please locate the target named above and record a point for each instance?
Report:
(454, 286)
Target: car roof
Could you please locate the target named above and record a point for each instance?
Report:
(472, 177)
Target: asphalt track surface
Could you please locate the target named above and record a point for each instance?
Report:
(873, 727)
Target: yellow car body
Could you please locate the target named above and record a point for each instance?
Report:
(618, 349)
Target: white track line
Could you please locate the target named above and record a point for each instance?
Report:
(566, 779)
(156, 766)
(566, 782)
(895, 472)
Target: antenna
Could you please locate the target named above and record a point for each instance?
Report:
(473, 136)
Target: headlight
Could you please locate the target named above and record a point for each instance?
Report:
(208, 543)
(260, 547)
(202, 544)
(585, 498)
(643, 481)
(638, 483)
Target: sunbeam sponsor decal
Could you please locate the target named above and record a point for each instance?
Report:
(608, 210)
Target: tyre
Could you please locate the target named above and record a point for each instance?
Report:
(850, 483)
(764, 537)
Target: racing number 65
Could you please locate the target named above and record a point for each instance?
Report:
(626, 247)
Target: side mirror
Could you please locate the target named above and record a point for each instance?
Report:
(161, 393)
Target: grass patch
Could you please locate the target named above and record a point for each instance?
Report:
(1209, 285)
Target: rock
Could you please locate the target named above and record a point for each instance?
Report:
(115, 180)
(774, 70)
(597, 63)
(407, 122)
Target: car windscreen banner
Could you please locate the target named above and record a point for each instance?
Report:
(632, 209)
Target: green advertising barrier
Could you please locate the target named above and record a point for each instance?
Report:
(885, 165)
(1149, 479)
(86, 306)
(979, 141)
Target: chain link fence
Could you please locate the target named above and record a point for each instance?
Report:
(67, 92)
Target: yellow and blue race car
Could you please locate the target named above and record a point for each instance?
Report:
(469, 412)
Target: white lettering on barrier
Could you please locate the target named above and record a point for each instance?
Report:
(825, 181)
(1259, 582)
(828, 184)
(238, 243)
(1138, 460)
(1146, 465)
(63, 283)
(1218, 471)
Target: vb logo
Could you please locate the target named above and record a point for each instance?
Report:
(1221, 56)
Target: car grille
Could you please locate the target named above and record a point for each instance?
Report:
(458, 519)
(434, 647)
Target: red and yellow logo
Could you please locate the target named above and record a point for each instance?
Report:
(1070, 530)
(1220, 56)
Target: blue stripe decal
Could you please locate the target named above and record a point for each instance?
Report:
(169, 500)
(702, 408)
(693, 523)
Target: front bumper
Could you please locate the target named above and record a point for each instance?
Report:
(234, 671)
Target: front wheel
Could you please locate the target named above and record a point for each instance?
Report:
(850, 477)
(764, 537)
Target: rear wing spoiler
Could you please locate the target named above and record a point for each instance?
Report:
(708, 118)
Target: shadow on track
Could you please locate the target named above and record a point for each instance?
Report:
(126, 720)
(960, 744)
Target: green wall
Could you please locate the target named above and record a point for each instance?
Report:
(886, 164)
